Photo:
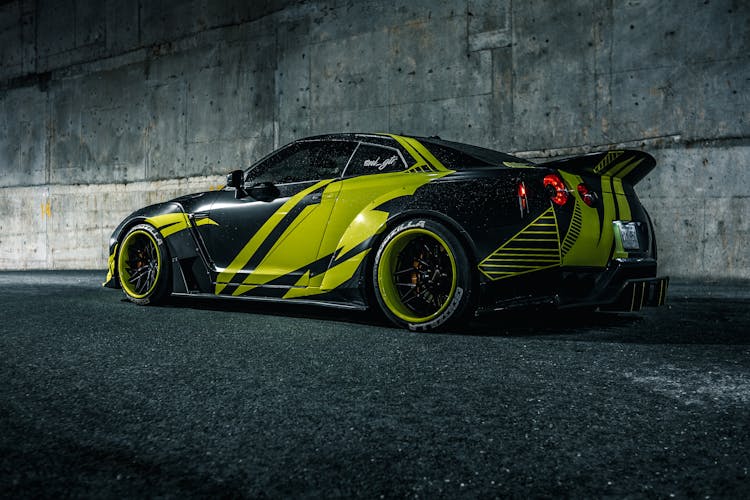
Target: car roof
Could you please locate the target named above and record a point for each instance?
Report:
(485, 155)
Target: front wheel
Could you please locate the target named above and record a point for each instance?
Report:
(143, 265)
(422, 277)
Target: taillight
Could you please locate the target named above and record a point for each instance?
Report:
(523, 199)
(556, 189)
(588, 197)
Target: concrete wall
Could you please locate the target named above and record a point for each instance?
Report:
(108, 105)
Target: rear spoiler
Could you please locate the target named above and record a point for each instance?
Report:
(628, 164)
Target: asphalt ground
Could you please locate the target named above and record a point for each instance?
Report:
(102, 398)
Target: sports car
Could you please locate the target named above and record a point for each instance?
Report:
(426, 230)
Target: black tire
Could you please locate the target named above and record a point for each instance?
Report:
(143, 265)
(421, 276)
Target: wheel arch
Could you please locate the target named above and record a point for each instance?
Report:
(141, 216)
(113, 280)
(440, 217)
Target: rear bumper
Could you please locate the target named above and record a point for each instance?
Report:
(640, 293)
(626, 285)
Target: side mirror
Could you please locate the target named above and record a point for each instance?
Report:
(236, 180)
(264, 191)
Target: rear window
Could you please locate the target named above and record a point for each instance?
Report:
(456, 155)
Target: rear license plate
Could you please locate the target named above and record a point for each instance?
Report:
(629, 235)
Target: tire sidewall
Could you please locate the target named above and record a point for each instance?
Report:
(459, 304)
(160, 291)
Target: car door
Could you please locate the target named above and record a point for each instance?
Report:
(269, 233)
(373, 177)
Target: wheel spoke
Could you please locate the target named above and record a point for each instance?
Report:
(409, 296)
(420, 279)
(138, 282)
(404, 271)
(137, 275)
(427, 249)
(151, 276)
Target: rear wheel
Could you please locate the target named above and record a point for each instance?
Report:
(421, 276)
(143, 265)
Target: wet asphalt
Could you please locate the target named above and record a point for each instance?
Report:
(102, 398)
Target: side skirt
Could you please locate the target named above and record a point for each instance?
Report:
(305, 302)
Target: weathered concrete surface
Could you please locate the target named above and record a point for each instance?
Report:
(94, 99)
(68, 226)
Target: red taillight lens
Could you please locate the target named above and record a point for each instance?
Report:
(588, 197)
(555, 186)
(523, 200)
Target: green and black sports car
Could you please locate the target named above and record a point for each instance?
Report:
(426, 230)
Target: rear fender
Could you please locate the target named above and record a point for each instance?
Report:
(587, 233)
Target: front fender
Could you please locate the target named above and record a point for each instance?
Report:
(168, 218)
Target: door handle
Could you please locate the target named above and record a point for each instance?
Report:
(316, 197)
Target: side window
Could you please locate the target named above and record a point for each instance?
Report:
(332, 157)
(291, 164)
(371, 159)
(303, 161)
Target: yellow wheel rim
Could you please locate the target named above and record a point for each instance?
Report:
(417, 275)
(139, 264)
